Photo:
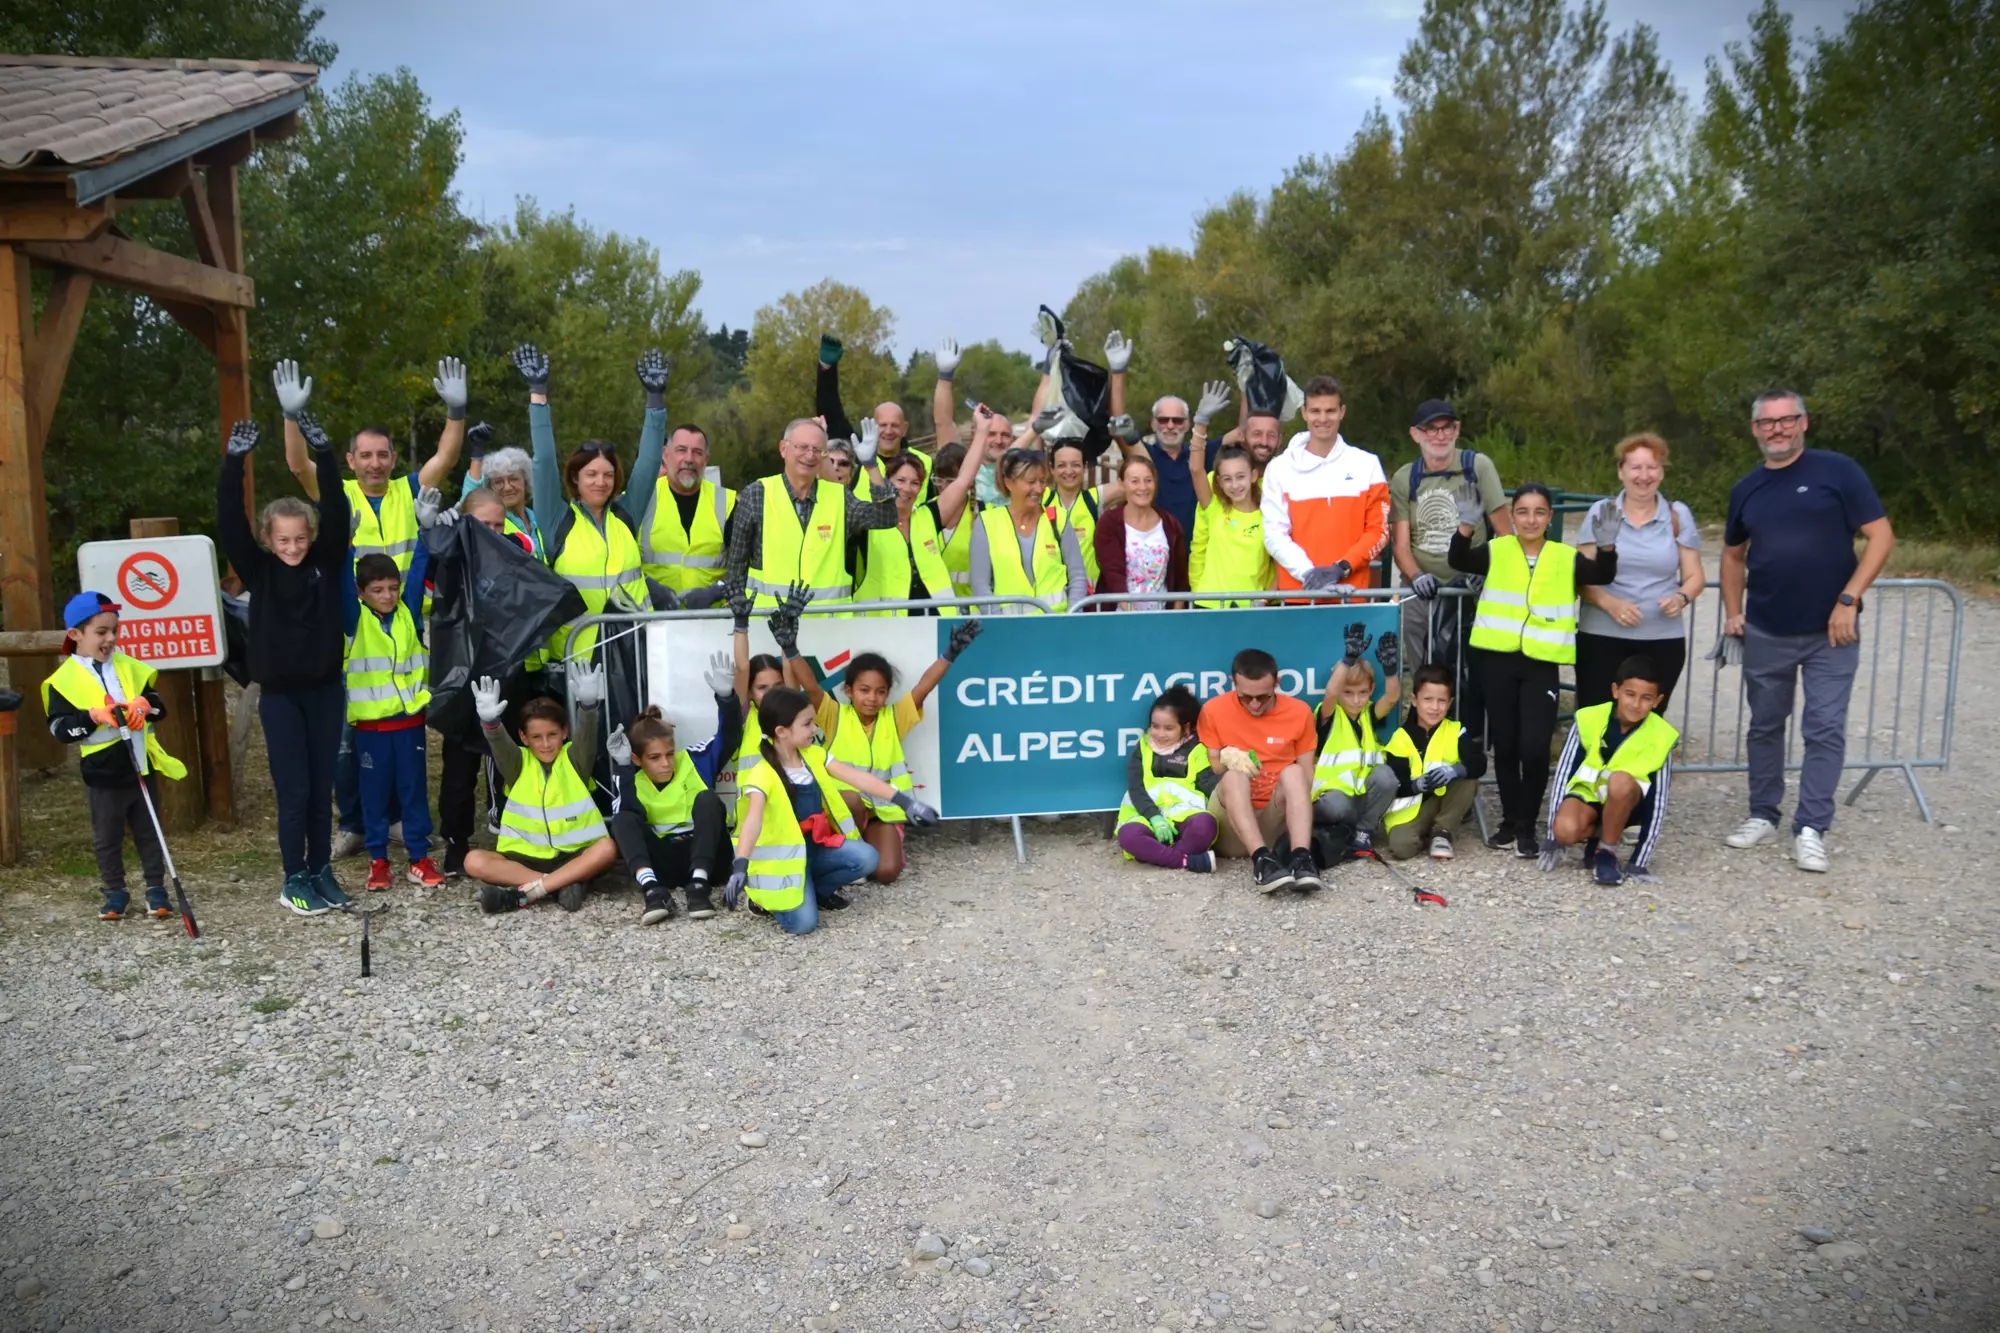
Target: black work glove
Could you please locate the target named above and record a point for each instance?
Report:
(961, 639)
(1388, 653)
(1357, 638)
(476, 440)
(242, 438)
(653, 370)
(534, 367)
(315, 435)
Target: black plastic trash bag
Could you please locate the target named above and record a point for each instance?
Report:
(1260, 374)
(1084, 390)
(492, 607)
(236, 638)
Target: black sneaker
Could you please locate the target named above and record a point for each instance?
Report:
(699, 906)
(1526, 845)
(571, 896)
(454, 860)
(1305, 875)
(329, 888)
(659, 905)
(497, 898)
(1503, 836)
(1269, 873)
(835, 902)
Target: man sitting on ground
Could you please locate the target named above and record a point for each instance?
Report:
(1265, 743)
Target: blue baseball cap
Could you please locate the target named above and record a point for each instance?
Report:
(78, 610)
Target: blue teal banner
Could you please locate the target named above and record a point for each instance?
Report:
(1039, 714)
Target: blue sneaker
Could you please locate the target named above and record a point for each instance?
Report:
(329, 888)
(1605, 865)
(302, 896)
(115, 903)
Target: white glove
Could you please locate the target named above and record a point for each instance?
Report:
(429, 501)
(867, 442)
(486, 700)
(586, 685)
(292, 395)
(1047, 332)
(1046, 419)
(618, 746)
(721, 674)
(1551, 857)
(1117, 352)
(1214, 397)
(448, 517)
(450, 386)
(947, 358)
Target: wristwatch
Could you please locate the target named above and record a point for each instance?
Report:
(1847, 599)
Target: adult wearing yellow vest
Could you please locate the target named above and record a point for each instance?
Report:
(1614, 772)
(907, 561)
(1523, 631)
(1352, 786)
(1437, 770)
(683, 533)
(793, 831)
(552, 838)
(588, 536)
(670, 827)
(1072, 505)
(1016, 550)
(796, 526)
(382, 520)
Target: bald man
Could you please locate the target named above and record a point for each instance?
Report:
(891, 422)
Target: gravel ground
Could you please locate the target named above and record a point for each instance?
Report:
(1074, 1094)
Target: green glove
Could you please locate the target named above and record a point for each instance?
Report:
(829, 350)
(1163, 829)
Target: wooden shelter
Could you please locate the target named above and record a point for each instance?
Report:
(82, 140)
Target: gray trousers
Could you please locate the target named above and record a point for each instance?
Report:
(1773, 667)
(114, 812)
(1347, 813)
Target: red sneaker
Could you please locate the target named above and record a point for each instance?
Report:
(425, 872)
(378, 876)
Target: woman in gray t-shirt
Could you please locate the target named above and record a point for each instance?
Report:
(1644, 611)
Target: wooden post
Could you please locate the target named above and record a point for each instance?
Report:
(27, 595)
(217, 769)
(10, 794)
(182, 803)
(220, 204)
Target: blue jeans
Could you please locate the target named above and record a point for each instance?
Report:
(392, 775)
(347, 782)
(302, 742)
(1775, 666)
(827, 868)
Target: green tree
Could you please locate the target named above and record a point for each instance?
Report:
(190, 29)
(782, 365)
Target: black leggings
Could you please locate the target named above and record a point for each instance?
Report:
(674, 860)
(1598, 657)
(1521, 697)
(302, 741)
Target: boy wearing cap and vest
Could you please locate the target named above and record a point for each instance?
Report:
(1352, 786)
(388, 689)
(96, 691)
(552, 838)
(1615, 772)
(670, 828)
(1437, 769)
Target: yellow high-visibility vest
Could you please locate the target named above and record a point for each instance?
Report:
(1641, 753)
(595, 563)
(1177, 797)
(548, 810)
(889, 557)
(1050, 579)
(1524, 611)
(1349, 754)
(816, 554)
(1442, 748)
(670, 809)
(388, 671)
(879, 754)
(80, 685)
(679, 558)
(778, 862)
(1079, 514)
(392, 532)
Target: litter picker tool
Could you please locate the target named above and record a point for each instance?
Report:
(367, 970)
(1421, 895)
(118, 711)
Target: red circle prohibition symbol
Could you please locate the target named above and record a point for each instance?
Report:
(147, 581)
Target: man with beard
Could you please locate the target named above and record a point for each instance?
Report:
(681, 542)
(1790, 540)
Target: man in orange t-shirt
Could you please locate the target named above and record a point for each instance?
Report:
(1264, 743)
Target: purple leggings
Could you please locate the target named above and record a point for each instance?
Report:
(1197, 833)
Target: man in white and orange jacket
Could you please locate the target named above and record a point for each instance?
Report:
(1326, 503)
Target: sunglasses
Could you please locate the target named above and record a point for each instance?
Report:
(598, 447)
(1170, 421)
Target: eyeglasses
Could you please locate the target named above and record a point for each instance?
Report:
(1777, 423)
(1442, 426)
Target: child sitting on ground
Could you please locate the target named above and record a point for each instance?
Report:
(670, 828)
(1164, 820)
(1352, 787)
(867, 733)
(388, 689)
(1436, 781)
(95, 691)
(1615, 771)
(552, 838)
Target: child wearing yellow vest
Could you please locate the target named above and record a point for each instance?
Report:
(670, 828)
(1437, 770)
(552, 837)
(95, 691)
(758, 675)
(793, 829)
(1352, 787)
(1227, 552)
(388, 690)
(1614, 772)
(1164, 820)
(861, 733)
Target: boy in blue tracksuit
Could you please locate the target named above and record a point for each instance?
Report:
(388, 690)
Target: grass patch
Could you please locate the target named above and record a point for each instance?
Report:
(1972, 568)
(272, 1004)
(452, 1024)
(385, 1161)
(229, 1068)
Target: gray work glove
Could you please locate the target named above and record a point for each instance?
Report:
(1357, 639)
(619, 746)
(1728, 649)
(533, 364)
(315, 435)
(450, 386)
(961, 639)
(1425, 586)
(947, 358)
(1551, 857)
(738, 595)
(867, 442)
(486, 700)
(1322, 577)
(653, 370)
(293, 394)
(1123, 429)
(739, 880)
(1470, 513)
(477, 438)
(429, 500)
(1214, 397)
(923, 816)
(1046, 419)
(586, 685)
(243, 438)
(1607, 521)
(1117, 352)
(721, 675)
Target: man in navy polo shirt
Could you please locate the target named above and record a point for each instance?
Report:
(1790, 534)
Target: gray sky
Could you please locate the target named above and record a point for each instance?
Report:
(959, 162)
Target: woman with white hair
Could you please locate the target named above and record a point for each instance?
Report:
(505, 473)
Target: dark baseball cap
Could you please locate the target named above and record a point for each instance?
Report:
(1430, 410)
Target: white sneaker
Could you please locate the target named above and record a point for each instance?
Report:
(1809, 852)
(346, 844)
(1751, 832)
(1441, 847)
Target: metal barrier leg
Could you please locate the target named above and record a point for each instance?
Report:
(1020, 843)
(1909, 773)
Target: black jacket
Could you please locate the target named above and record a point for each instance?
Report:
(297, 630)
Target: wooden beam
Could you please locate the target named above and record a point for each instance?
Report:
(166, 184)
(51, 221)
(232, 334)
(156, 273)
(201, 221)
(284, 127)
(55, 339)
(31, 642)
(225, 205)
(233, 152)
(27, 590)
(211, 706)
(197, 320)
